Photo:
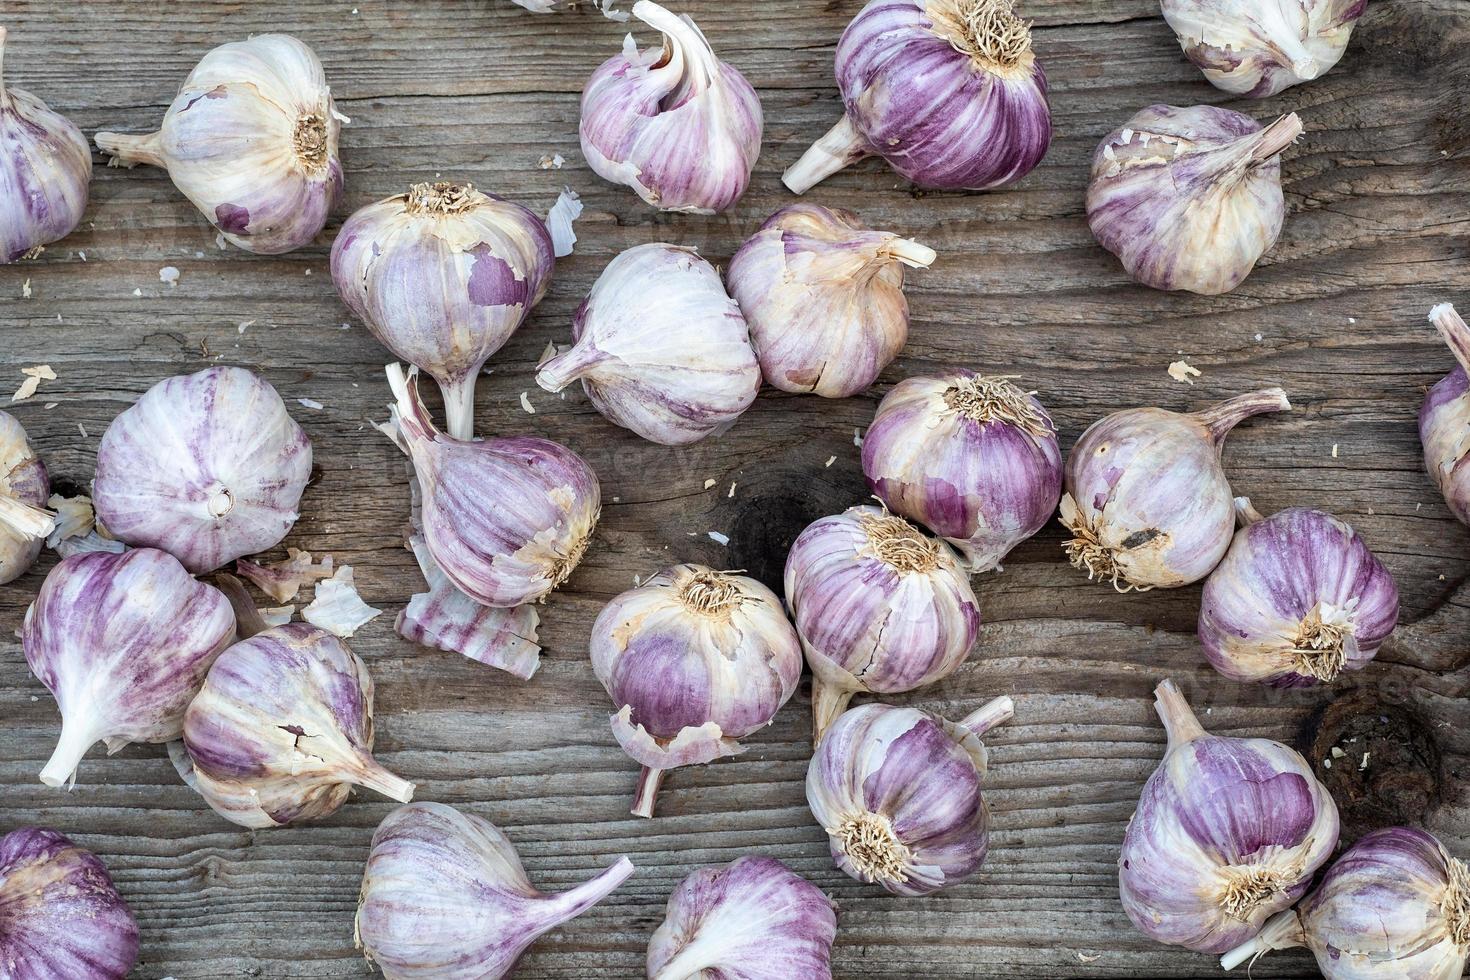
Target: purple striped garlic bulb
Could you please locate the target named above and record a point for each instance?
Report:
(45, 167)
(694, 660)
(251, 141)
(510, 546)
(1228, 832)
(208, 467)
(1190, 198)
(1146, 497)
(949, 92)
(1296, 600)
(123, 642)
(880, 607)
(25, 489)
(442, 276)
(751, 919)
(1444, 418)
(972, 458)
(823, 296)
(1394, 906)
(61, 917)
(660, 348)
(444, 897)
(898, 791)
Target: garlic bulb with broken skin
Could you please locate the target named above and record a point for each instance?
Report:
(25, 489)
(251, 141)
(1190, 198)
(1444, 418)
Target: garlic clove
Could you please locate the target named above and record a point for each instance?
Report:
(25, 489)
(1444, 418)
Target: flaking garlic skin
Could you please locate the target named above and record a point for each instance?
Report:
(1444, 418)
(25, 489)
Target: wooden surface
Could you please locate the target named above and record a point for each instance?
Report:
(1379, 198)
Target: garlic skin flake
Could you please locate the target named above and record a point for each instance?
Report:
(444, 897)
(25, 489)
(823, 297)
(751, 919)
(1190, 198)
(676, 124)
(660, 348)
(1444, 418)
(251, 141)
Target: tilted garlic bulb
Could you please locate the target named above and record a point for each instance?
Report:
(973, 458)
(1190, 198)
(251, 141)
(1228, 832)
(123, 642)
(1146, 497)
(442, 276)
(676, 124)
(694, 660)
(205, 466)
(1444, 418)
(660, 347)
(898, 791)
(25, 489)
(823, 296)
(444, 897)
(949, 92)
(45, 167)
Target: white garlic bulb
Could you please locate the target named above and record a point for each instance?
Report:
(24, 490)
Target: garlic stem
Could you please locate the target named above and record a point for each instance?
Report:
(1276, 137)
(685, 44)
(248, 620)
(374, 777)
(649, 780)
(828, 701)
(1245, 514)
(568, 366)
(841, 146)
(70, 748)
(997, 711)
(1452, 328)
(1221, 418)
(413, 416)
(911, 253)
(27, 521)
(572, 903)
(129, 151)
(1281, 931)
(459, 407)
(1178, 718)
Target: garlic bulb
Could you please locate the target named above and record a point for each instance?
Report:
(1256, 48)
(972, 458)
(1444, 418)
(1189, 198)
(511, 546)
(660, 348)
(1146, 498)
(25, 489)
(1394, 906)
(283, 729)
(444, 897)
(251, 141)
(949, 92)
(898, 792)
(879, 607)
(61, 917)
(824, 299)
(122, 641)
(1296, 600)
(1228, 832)
(694, 660)
(676, 124)
(45, 167)
(442, 276)
(751, 919)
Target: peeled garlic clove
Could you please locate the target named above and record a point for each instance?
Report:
(751, 919)
(444, 897)
(1444, 418)
(824, 299)
(1256, 48)
(949, 92)
(442, 276)
(660, 348)
(974, 459)
(1190, 198)
(1146, 497)
(25, 489)
(123, 642)
(1228, 832)
(205, 466)
(251, 141)
(693, 659)
(678, 125)
(898, 792)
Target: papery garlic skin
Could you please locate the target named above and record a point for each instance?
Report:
(444, 897)
(676, 124)
(1444, 418)
(898, 791)
(751, 919)
(1228, 832)
(123, 642)
(1147, 500)
(61, 917)
(660, 348)
(25, 489)
(251, 141)
(823, 297)
(442, 276)
(974, 459)
(1190, 198)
